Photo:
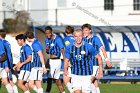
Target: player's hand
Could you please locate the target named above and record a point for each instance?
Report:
(19, 65)
(99, 76)
(7, 69)
(109, 65)
(47, 48)
(14, 68)
(44, 70)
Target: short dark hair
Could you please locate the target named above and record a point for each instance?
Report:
(69, 29)
(86, 26)
(2, 33)
(48, 28)
(29, 35)
(21, 36)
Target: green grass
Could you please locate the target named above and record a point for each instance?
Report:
(105, 88)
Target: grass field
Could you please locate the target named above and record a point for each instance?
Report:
(105, 88)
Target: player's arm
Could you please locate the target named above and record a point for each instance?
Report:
(66, 64)
(3, 58)
(100, 45)
(63, 51)
(25, 62)
(66, 61)
(105, 56)
(40, 54)
(100, 75)
(14, 68)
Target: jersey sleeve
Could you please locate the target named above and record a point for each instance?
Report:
(60, 43)
(28, 51)
(36, 47)
(67, 53)
(1, 49)
(98, 42)
(92, 50)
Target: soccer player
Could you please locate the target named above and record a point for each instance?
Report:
(96, 43)
(80, 54)
(4, 70)
(54, 47)
(24, 65)
(9, 61)
(69, 39)
(38, 64)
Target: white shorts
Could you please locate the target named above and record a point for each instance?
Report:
(55, 67)
(4, 74)
(36, 73)
(81, 83)
(95, 70)
(24, 75)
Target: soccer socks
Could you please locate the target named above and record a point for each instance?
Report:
(15, 89)
(9, 88)
(97, 89)
(69, 86)
(40, 90)
(27, 91)
(35, 89)
(93, 88)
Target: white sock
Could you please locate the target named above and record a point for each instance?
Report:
(35, 89)
(63, 92)
(97, 89)
(15, 89)
(9, 88)
(93, 88)
(69, 86)
(40, 90)
(27, 91)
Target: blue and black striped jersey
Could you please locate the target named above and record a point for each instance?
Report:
(2, 51)
(55, 45)
(25, 52)
(96, 43)
(7, 48)
(80, 58)
(36, 46)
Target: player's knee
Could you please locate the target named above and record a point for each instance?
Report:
(4, 81)
(31, 84)
(66, 80)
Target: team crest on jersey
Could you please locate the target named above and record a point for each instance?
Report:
(83, 52)
(21, 51)
(52, 44)
(90, 43)
(67, 43)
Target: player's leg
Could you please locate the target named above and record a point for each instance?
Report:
(5, 81)
(15, 89)
(56, 75)
(95, 82)
(32, 85)
(23, 77)
(96, 86)
(76, 83)
(39, 86)
(59, 85)
(32, 78)
(86, 84)
(49, 85)
(67, 79)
